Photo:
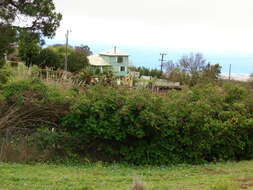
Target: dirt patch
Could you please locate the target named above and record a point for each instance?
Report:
(214, 172)
(244, 183)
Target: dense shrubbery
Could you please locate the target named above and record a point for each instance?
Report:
(204, 123)
(30, 104)
(4, 76)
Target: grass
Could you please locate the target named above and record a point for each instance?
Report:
(228, 176)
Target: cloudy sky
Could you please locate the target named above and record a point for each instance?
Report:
(218, 25)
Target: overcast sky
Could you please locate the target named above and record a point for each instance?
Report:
(218, 25)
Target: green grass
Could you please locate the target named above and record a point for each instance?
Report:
(119, 177)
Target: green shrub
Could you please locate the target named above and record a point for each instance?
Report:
(19, 88)
(4, 76)
(207, 123)
(30, 103)
(197, 125)
(33, 89)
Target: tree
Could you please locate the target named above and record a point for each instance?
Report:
(7, 38)
(147, 72)
(28, 47)
(60, 50)
(211, 72)
(14, 55)
(53, 56)
(77, 60)
(85, 49)
(191, 70)
(38, 16)
(49, 58)
(35, 16)
(193, 63)
(169, 66)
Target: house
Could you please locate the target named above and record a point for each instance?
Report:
(118, 62)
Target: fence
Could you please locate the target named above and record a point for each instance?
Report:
(47, 74)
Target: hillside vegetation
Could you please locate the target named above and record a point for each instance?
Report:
(41, 120)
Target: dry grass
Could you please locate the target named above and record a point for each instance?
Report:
(137, 184)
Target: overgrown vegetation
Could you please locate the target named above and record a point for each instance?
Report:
(91, 117)
(196, 125)
(206, 123)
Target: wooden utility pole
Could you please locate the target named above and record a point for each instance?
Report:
(162, 60)
(66, 51)
(229, 75)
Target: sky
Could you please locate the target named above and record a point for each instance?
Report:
(220, 27)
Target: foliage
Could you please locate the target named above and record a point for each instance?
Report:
(84, 49)
(60, 50)
(30, 104)
(7, 37)
(38, 17)
(2, 62)
(49, 58)
(77, 60)
(208, 123)
(204, 123)
(28, 47)
(5, 74)
(54, 57)
(191, 70)
(18, 88)
(211, 73)
(147, 72)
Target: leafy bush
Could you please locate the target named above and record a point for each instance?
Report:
(201, 124)
(49, 58)
(30, 106)
(208, 123)
(2, 62)
(30, 103)
(4, 76)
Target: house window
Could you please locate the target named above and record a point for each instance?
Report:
(122, 69)
(119, 59)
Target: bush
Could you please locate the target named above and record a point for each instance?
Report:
(49, 58)
(207, 123)
(4, 76)
(30, 103)
(2, 62)
(30, 107)
(201, 124)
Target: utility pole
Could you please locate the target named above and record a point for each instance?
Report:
(66, 51)
(229, 75)
(162, 60)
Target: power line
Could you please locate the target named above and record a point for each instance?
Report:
(229, 75)
(162, 60)
(66, 51)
